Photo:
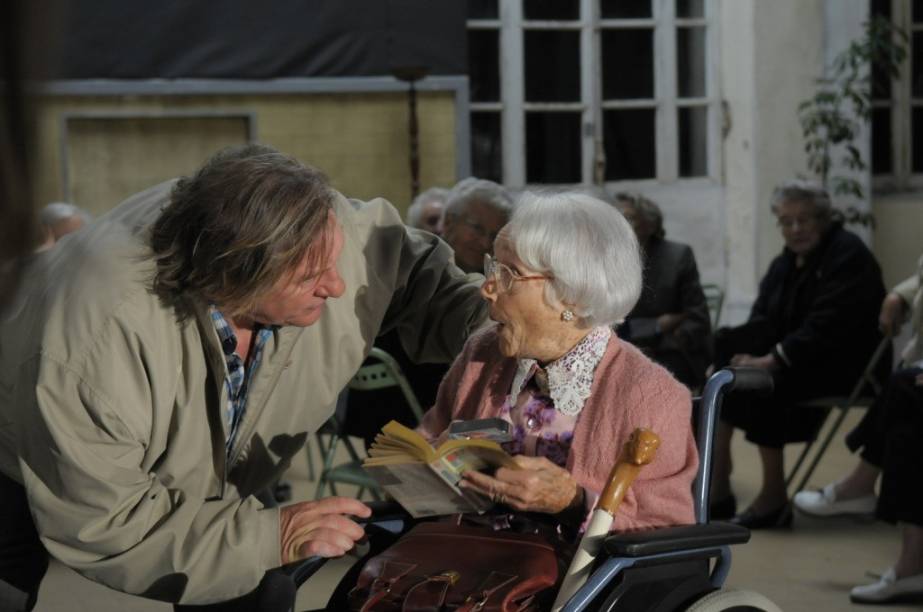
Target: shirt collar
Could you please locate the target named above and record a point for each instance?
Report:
(570, 378)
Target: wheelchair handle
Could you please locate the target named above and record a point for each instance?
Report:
(749, 379)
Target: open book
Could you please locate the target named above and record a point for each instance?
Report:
(423, 479)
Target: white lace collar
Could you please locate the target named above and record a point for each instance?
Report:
(571, 376)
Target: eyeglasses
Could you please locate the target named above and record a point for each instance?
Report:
(790, 222)
(503, 276)
(477, 228)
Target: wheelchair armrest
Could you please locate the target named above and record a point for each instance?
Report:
(672, 539)
(385, 510)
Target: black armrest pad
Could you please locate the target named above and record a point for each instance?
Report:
(387, 510)
(670, 539)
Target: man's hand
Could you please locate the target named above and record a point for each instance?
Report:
(892, 312)
(766, 362)
(669, 322)
(320, 528)
(538, 486)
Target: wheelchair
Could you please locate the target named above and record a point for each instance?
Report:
(659, 570)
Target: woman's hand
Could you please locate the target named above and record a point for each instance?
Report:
(765, 362)
(892, 314)
(538, 486)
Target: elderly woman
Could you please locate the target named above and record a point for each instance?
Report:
(814, 326)
(475, 210)
(670, 322)
(565, 269)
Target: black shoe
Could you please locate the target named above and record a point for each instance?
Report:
(780, 517)
(723, 509)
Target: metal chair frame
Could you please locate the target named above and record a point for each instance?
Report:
(714, 297)
(382, 375)
(855, 399)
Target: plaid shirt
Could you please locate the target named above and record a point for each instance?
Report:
(238, 375)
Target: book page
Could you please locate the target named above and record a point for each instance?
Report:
(421, 492)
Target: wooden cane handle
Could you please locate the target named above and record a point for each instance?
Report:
(638, 451)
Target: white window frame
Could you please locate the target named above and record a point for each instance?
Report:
(902, 102)
(513, 107)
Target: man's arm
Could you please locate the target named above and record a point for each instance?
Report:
(434, 305)
(99, 512)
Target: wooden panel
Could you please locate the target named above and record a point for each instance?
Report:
(109, 159)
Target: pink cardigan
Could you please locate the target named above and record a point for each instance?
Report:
(629, 390)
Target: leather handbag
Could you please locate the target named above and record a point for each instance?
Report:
(450, 566)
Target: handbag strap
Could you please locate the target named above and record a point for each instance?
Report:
(430, 594)
(477, 600)
(392, 573)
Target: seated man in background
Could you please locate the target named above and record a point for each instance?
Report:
(174, 358)
(475, 211)
(425, 212)
(670, 323)
(814, 326)
(59, 219)
(889, 435)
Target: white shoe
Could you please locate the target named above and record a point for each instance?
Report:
(825, 503)
(889, 589)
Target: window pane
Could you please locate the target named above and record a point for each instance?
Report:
(881, 82)
(628, 63)
(690, 8)
(552, 66)
(917, 64)
(551, 9)
(916, 135)
(553, 148)
(629, 144)
(484, 65)
(881, 141)
(624, 9)
(917, 10)
(693, 141)
(486, 146)
(881, 7)
(482, 9)
(690, 62)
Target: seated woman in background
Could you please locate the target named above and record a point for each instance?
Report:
(814, 326)
(564, 270)
(670, 322)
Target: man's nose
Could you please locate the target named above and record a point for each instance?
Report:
(332, 285)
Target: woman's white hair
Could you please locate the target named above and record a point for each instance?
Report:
(589, 248)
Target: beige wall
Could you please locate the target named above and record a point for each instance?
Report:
(898, 238)
(360, 140)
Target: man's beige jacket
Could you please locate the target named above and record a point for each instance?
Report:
(112, 408)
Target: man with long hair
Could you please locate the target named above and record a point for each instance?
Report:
(178, 354)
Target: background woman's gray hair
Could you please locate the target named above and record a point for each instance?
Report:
(415, 210)
(481, 190)
(589, 248)
(804, 191)
(646, 208)
(61, 211)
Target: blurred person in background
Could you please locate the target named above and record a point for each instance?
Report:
(813, 327)
(670, 323)
(59, 219)
(426, 211)
(474, 213)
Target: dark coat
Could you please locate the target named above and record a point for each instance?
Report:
(824, 318)
(671, 285)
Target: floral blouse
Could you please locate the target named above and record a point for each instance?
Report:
(544, 403)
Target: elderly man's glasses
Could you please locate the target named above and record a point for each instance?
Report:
(786, 222)
(503, 276)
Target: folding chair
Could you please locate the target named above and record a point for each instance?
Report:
(386, 373)
(856, 399)
(714, 297)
